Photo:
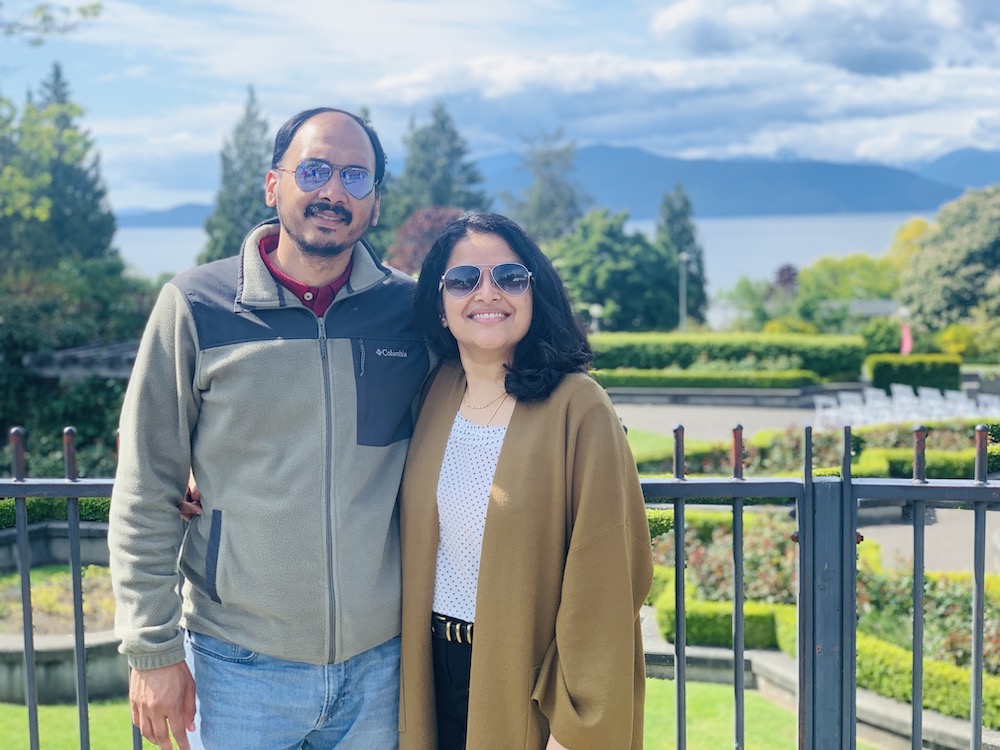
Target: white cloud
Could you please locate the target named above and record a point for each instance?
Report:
(163, 81)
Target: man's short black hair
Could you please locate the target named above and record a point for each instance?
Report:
(287, 132)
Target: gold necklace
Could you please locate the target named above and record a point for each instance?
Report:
(484, 406)
(495, 411)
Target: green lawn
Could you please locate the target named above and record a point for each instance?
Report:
(710, 719)
(709, 722)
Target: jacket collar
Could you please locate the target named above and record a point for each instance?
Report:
(257, 288)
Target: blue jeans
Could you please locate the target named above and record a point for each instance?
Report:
(251, 701)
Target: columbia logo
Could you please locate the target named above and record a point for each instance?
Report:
(390, 353)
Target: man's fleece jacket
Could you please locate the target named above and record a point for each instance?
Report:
(296, 429)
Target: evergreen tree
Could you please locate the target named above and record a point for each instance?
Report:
(437, 170)
(552, 203)
(239, 204)
(62, 179)
(675, 232)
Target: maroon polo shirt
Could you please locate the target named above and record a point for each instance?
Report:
(316, 298)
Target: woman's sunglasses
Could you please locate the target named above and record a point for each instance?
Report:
(313, 174)
(512, 279)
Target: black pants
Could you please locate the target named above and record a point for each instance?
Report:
(452, 665)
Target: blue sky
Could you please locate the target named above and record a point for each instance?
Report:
(162, 83)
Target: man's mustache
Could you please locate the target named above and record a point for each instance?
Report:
(335, 208)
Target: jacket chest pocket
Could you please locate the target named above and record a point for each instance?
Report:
(388, 374)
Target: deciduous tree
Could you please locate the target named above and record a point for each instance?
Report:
(41, 20)
(239, 204)
(415, 238)
(632, 279)
(957, 264)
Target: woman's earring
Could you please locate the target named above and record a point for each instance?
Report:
(444, 322)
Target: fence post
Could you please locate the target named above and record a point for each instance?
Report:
(827, 612)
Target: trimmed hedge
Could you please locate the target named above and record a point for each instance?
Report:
(694, 378)
(941, 371)
(898, 463)
(888, 670)
(779, 451)
(832, 358)
(882, 667)
(711, 623)
(53, 509)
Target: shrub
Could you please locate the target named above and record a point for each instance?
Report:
(830, 357)
(711, 623)
(636, 378)
(882, 335)
(769, 566)
(941, 371)
(663, 580)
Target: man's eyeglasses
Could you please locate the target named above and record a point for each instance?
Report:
(313, 174)
(512, 279)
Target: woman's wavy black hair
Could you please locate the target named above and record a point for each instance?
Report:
(555, 343)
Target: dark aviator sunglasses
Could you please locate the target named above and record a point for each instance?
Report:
(512, 279)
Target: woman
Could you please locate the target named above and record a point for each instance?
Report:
(526, 551)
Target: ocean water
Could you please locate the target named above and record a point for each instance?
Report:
(151, 251)
(754, 247)
(757, 246)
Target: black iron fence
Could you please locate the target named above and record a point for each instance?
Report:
(827, 518)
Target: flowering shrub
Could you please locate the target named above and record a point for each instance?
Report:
(885, 609)
(769, 559)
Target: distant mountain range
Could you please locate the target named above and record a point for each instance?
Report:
(634, 180)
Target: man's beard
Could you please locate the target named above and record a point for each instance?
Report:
(331, 250)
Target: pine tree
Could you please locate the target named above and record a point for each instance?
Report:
(437, 170)
(239, 204)
(675, 231)
(552, 203)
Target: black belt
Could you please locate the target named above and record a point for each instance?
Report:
(450, 629)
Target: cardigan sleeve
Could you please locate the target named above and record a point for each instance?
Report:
(591, 683)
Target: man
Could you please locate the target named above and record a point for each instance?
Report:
(283, 379)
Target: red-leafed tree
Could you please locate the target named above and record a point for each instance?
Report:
(416, 236)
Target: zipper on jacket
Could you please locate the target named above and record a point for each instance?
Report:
(332, 630)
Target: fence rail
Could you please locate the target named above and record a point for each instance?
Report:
(827, 535)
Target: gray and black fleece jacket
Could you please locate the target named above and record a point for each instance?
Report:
(296, 429)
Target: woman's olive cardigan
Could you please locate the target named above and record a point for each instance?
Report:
(566, 564)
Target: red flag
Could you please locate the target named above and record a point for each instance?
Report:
(906, 345)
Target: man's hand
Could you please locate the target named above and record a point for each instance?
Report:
(163, 702)
(190, 506)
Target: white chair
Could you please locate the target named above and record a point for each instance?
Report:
(878, 405)
(960, 404)
(905, 404)
(826, 414)
(852, 407)
(932, 403)
(989, 405)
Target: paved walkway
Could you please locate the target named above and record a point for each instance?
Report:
(948, 539)
(709, 422)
